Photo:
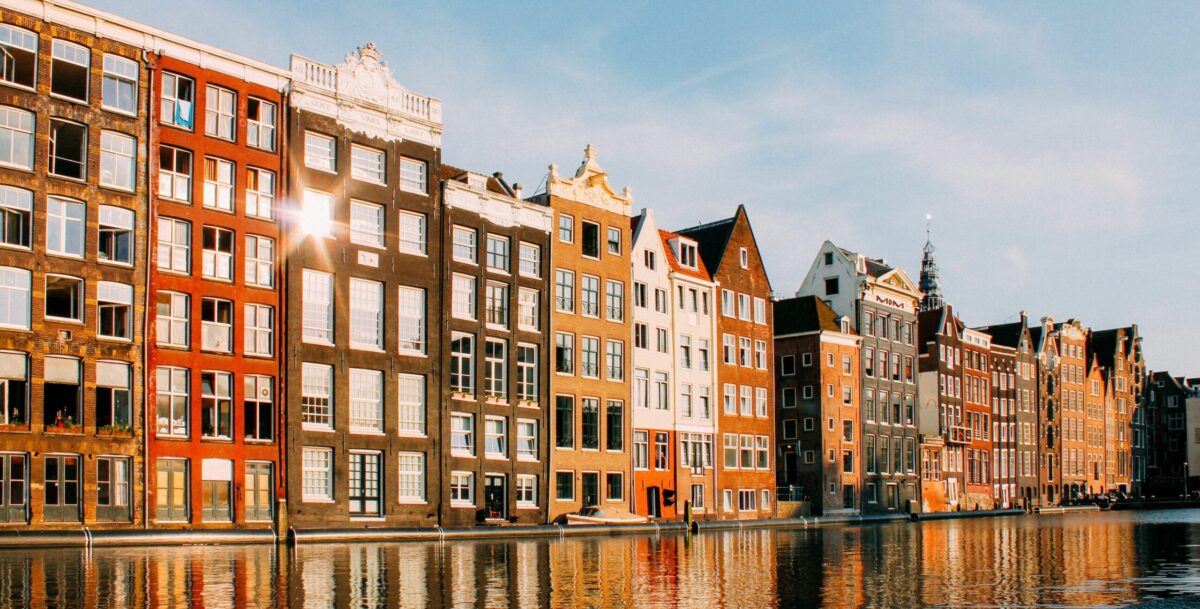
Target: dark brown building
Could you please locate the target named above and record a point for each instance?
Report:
(363, 258)
(1166, 397)
(942, 411)
(1016, 337)
(495, 350)
(72, 275)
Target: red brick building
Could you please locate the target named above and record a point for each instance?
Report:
(215, 286)
(745, 420)
(977, 410)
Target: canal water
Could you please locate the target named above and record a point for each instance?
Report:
(1077, 560)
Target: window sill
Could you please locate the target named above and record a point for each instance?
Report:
(367, 432)
(412, 501)
(455, 455)
(462, 505)
(321, 429)
(9, 246)
(64, 320)
(324, 500)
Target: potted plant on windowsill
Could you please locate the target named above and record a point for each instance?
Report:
(63, 424)
(14, 426)
(117, 429)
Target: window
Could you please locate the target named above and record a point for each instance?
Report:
(589, 296)
(497, 253)
(464, 244)
(217, 257)
(615, 301)
(113, 401)
(729, 399)
(589, 357)
(19, 65)
(366, 314)
(64, 298)
(117, 154)
(368, 164)
(743, 307)
(730, 450)
(687, 254)
(115, 239)
(412, 176)
(320, 152)
(760, 402)
(527, 309)
(591, 239)
(760, 311)
(526, 492)
(495, 437)
(641, 339)
(175, 106)
(14, 397)
(566, 228)
(660, 300)
(218, 184)
(745, 406)
(175, 174)
(410, 330)
(744, 257)
(527, 440)
(171, 402)
(412, 478)
(590, 412)
(62, 395)
(527, 373)
(366, 401)
(564, 354)
(412, 233)
(216, 325)
(641, 450)
(112, 489)
(789, 429)
(662, 391)
(220, 112)
(531, 260)
(614, 240)
(664, 345)
(64, 227)
(747, 452)
(463, 297)
(462, 364)
(317, 472)
(16, 215)
(760, 354)
(615, 425)
(744, 352)
(762, 452)
(316, 396)
(216, 405)
(69, 69)
(318, 307)
(16, 135)
(615, 360)
(703, 398)
(15, 297)
(114, 310)
(702, 351)
(259, 322)
(462, 435)
(365, 472)
(495, 367)
(171, 490)
(258, 492)
(260, 261)
(564, 421)
(462, 489)
(564, 291)
(411, 396)
(614, 486)
(258, 408)
(729, 349)
(495, 304)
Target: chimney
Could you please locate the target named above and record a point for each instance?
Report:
(517, 190)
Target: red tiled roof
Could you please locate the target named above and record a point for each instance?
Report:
(700, 272)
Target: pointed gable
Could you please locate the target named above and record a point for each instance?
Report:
(714, 239)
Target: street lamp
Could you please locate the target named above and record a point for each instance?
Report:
(1185, 477)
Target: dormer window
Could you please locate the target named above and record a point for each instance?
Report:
(845, 326)
(828, 258)
(687, 254)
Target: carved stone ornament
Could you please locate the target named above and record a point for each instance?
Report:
(364, 74)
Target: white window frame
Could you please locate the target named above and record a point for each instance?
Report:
(317, 474)
(320, 152)
(118, 160)
(411, 405)
(316, 384)
(260, 193)
(258, 321)
(368, 164)
(366, 401)
(260, 261)
(317, 307)
(412, 238)
(410, 326)
(365, 316)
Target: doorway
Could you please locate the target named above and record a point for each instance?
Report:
(495, 496)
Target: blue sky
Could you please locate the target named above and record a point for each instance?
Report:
(1055, 144)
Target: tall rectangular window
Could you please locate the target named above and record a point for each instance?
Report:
(528, 313)
(64, 227)
(462, 303)
(259, 492)
(220, 112)
(526, 492)
(368, 164)
(16, 137)
(258, 401)
(366, 401)
(114, 310)
(615, 425)
(564, 421)
(19, 66)
(119, 89)
(16, 215)
(527, 373)
(412, 478)
(615, 360)
(495, 362)
(216, 405)
(175, 106)
(261, 117)
(591, 239)
(171, 402)
(590, 412)
(117, 156)
(412, 233)
(531, 260)
(217, 257)
(113, 404)
(260, 193)
(462, 364)
(589, 357)
(260, 261)
(527, 440)
(316, 396)
(413, 176)
(172, 319)
(564, 290)
(175, 174)
(366, 314)
(462, 435)
(462, 489)
(410, 328)
(316, 213)
(320, 152)
(69, 67)
(464, 247)
(113, 476)
(64, 298)
(366, 224)
(566, 228)
(615, 300)
(318, 307)
(115, 235)
(15, 298)
(171, 495)
(317, 474)
(498, 253)
(410, 392)
(495, 438)
(216, 325)
(589, 295)
(259, 331)
(218, 184)
(496, 304)
(564, 353)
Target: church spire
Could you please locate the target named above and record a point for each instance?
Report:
(929, 274)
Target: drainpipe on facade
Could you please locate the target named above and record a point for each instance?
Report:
(151, 222)
(281, 507)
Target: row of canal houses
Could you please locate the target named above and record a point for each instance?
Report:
(234, 295)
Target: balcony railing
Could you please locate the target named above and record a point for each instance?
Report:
(956, 434)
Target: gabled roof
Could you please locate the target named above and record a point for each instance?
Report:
(875, 267)
(701, 272)
(804, 314)
(1008, 334)
(712, 240)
